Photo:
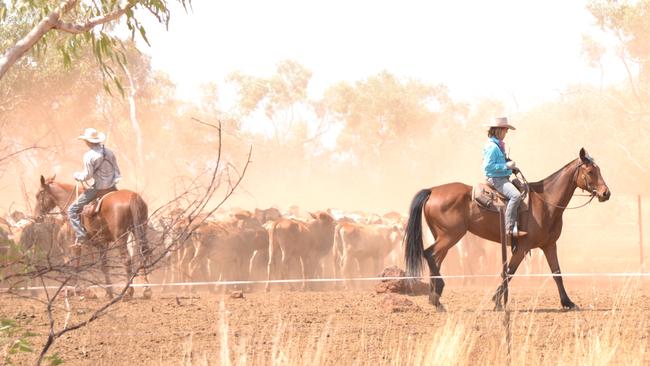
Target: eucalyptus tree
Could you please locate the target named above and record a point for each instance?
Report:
(72, 25)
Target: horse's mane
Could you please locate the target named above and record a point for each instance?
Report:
(65, 186)
(539, 185)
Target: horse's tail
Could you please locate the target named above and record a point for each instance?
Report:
(140, 215)
(414, 248)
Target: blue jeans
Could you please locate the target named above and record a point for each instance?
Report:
(74, 212)
(506, 188)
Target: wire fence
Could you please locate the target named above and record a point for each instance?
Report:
(640, 275)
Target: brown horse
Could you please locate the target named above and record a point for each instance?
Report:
(122, 212)
(450, 212)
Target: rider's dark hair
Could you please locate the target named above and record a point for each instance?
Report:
(492, 132)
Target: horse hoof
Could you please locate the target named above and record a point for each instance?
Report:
(435, 301)
(570, 306)
(498, 307)
(147, 293)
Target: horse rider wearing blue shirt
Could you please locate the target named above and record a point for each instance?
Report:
(498, 168)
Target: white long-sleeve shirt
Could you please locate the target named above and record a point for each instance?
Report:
(100, 165)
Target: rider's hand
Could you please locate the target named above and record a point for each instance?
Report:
(77, 176)
(511, 165)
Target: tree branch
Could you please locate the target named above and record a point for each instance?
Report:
(76, 28)
(53, 21)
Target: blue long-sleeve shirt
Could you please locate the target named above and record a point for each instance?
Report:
(494, 160)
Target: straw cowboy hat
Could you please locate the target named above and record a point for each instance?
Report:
(92, 135)
(500, 122)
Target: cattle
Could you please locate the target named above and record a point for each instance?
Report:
(42, 240)
(223, 250)
(33, 247)
(361, 249)
(182, 247)
(306, 246)
(266, 215)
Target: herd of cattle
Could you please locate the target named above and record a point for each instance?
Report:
(268, 245)
(261, 245)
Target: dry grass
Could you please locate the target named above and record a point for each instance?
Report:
(353, 328)
(614, 339)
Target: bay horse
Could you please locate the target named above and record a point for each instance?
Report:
(450, 212)
(121, 212)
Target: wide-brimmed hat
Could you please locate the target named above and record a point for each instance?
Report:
(92, 135)
(500, 122)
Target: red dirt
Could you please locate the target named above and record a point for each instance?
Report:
(345, 327)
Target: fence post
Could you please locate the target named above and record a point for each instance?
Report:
(640, 233)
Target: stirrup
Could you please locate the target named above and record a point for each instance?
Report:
(517, 233)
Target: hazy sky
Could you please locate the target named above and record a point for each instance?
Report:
(523, 52)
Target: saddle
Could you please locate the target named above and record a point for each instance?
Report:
(488, 198)
(93, 207)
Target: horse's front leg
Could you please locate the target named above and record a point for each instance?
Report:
(550, 252)
(514, 263)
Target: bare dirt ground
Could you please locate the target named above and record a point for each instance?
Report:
(354, 327)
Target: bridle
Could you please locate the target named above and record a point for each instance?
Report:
(588, 188)
(46, 188)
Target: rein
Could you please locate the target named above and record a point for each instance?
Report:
(73, 193)
(592, 194)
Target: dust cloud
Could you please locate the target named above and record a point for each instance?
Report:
(357, 177)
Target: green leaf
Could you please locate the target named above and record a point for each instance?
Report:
(54, 359)
(5, 328)
(7, 322)
(21, 345)
(107, 88)
(67, 61)
(119, 85)
(144, 36)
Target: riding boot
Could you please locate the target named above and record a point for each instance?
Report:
(516, 233)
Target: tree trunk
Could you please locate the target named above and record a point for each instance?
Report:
(134, 119)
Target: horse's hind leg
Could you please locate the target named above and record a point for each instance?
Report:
(128, 265)
(437, 284)
(103, 258)
(434, 256)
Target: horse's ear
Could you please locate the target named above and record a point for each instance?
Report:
(584, 156)
(42, 181)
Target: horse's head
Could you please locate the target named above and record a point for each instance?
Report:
(45, 199)
(590, 179)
